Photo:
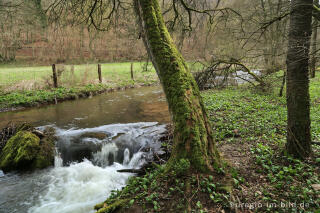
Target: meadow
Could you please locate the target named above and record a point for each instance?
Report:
(14, 78)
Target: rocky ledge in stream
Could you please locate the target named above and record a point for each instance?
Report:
(24, 148)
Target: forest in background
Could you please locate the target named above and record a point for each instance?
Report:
(254, 33)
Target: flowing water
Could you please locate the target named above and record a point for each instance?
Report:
(95, 138)
(128, 106)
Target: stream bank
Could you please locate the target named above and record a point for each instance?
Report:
(20, 100)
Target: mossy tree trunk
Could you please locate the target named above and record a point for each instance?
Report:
(193, 139)
(298, 100)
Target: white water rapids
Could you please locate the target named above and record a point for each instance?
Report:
(78, 187)
(85, 170)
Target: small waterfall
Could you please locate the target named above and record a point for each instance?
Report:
(137, 160)
(106, 156)
(58, 162)
(126, 158)
(77, 186)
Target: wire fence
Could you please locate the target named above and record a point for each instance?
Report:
(34, 78)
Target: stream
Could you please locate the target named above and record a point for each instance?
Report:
(95, 138)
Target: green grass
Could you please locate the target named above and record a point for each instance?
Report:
(35, 97)
(18, 77)
(31, 86)
(38, 77)
(246, 112)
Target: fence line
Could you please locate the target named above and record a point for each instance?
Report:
(60, 75)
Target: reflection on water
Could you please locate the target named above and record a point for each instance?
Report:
(132, 105)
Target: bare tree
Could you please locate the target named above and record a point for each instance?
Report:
(17, 18)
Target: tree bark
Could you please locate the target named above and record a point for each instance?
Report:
(193, 137)
(298, 100)
(313, 61)
(54, 76)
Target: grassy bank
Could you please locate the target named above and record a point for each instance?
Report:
(250, 130)
(40, 77)
(32, 86)
(26, 86)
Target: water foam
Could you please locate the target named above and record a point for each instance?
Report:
(78, 187)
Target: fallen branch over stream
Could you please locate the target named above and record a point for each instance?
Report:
(135, 171)
(226, 69)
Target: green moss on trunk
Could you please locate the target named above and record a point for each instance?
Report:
(193, 138)
(116, 206)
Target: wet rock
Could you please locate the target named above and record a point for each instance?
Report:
(97, 135)
(117, 136)
(25, 151)
(49, 130)
(45, 156)
(38, 133)
(78, 152)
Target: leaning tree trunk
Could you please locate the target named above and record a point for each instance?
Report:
(193, 139)
(313, 61)
(298, 100)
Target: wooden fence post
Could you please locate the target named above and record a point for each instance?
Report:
(54, 76)
(132, 71)
(72, 74)
(99, 73)
(72, 70)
